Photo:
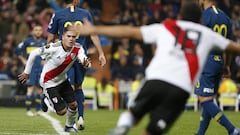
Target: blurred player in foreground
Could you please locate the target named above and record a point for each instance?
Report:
(182, 49)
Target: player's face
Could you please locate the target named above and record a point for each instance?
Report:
(37, 31)
(69, 39)
(76, 3)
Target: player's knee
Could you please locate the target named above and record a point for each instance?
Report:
(62, 112)
(205, 98)
(30, 90)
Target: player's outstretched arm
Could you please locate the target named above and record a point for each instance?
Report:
(233, 47)
(96, 42)
(119, 31)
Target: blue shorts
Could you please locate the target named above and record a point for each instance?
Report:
(76, 73)
(210, 77)
(34, 77)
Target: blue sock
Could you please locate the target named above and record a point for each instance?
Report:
(215, 112)
(28, 102)
(204, 122)
(80, 100)
(38, 102)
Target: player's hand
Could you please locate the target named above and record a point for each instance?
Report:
(23, 77)
(102, 60)
(86, 62)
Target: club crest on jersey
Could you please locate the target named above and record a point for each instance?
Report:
(197, 84)
(47, 46)
(55, 100)
(73, 56)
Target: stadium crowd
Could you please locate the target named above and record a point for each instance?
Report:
(128, 58)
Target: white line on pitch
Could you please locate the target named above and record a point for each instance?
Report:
(13, 133)
(55, 123)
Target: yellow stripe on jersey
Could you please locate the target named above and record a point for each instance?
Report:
(30, 49)
(215, 9)
(71, 8)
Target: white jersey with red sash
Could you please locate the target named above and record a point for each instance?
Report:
(58, 62)
(182, 48)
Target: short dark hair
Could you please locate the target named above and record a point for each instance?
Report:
(191, 11)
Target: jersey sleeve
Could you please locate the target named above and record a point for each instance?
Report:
(206, 19)
(43, 52)
(21, 46)
(219, 41)
(90, 18)
(81, 54)
(53, 25)
(148, 33)
(31, 59)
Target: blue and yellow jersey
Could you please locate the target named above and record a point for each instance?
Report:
(218, 21)
(28, 45)
(71, 15)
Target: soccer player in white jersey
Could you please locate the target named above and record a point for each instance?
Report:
(59, 58)
(182, 49)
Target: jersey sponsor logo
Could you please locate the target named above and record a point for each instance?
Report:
(208, 90)
(217, 58)
(30, 49)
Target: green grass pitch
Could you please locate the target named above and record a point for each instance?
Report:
(13, 121)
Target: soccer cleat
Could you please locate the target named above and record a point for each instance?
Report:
(29, 113)
(70, 129)
(123, 130)
(80, 123)
(236, 131)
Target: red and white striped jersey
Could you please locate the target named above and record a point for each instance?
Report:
(182, 49)
(58, 62)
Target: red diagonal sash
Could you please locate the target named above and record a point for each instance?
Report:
(192, 58)
(56, 71)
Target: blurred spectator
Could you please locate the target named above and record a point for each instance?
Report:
(5, 23)
(106, 90)
(227, 85)
(45, 18)
(89, 81)
(19, 29)
(235, 16)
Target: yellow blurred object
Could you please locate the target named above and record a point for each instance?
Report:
(228, 91)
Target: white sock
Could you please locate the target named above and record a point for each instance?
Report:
(125, 119)
(71, 116)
